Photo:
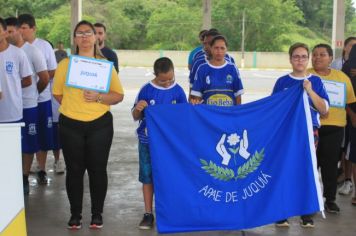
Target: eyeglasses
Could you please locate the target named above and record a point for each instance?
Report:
(300, 57)
(82, 34)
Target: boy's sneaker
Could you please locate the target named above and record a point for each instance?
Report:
(282, 223)
(26, 185)
(306, 221)
(331, 207)
(147, 221)
(42, 177)
(58, 167)
(75, 222)
(96, 221)
(346, 188)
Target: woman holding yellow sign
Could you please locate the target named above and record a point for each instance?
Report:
(86, 85)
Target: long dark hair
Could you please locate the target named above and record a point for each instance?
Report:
(347, 41)
(97, 51)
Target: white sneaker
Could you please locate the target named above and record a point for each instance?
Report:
(59, 167)
(346, 188)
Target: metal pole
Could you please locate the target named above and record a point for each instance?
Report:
(206, 14)
(243, 41)
(76, 16)
(338, 27)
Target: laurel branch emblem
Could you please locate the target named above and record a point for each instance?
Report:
(227, 174)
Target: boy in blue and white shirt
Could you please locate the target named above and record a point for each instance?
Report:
(161, 90)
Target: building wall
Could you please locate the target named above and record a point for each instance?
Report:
(146, 58)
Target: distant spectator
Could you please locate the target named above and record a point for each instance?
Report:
(197, 49)
(348, 68)
(107, 52)
(338, 62)
(60, 53)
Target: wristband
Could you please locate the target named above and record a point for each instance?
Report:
(99, 99)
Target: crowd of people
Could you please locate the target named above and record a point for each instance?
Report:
(215, 80)
(76, 121)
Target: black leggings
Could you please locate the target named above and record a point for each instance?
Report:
(328, 153)
(86, 146)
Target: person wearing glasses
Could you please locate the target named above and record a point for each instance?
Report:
(318, 100)
(217, 81)
(163, 89)
(86, 130)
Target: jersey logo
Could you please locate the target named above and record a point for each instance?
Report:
(9, 67)
(220, 100)
(32, 129)
(152, 102)
(229, 79)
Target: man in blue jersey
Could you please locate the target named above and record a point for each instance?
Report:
(217, 82)
(161, 90)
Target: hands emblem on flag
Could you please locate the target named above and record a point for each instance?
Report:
(233, 140)
(243, 146)
(221, 149)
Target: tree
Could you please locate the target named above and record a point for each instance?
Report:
(265, 31)
(38, 8)
(318, 14)
(173, 26)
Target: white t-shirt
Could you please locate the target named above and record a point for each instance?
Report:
(51, 63)
(337, 63)
(38, 64)
(14, 66)
(55, 107)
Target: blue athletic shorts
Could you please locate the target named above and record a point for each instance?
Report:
(30, 131)
(145, 174)
(45, 126)
(56, 143)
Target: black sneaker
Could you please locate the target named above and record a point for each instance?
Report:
(282, 223)
(331, 207)
(96, 221)
(306, 221)
(26, 185)
(42, 177)
(147, 221)
(75, 222)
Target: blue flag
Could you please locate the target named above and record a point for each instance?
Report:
(232, 168)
